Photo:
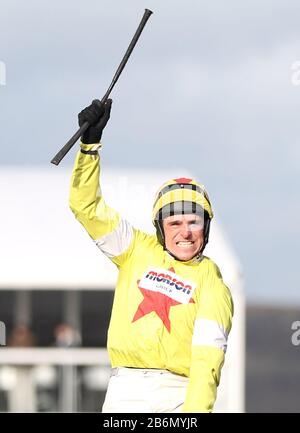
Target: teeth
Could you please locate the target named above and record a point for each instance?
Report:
(185, 244)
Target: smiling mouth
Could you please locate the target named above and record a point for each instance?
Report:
(184, 244)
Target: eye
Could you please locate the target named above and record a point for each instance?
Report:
(196, 225)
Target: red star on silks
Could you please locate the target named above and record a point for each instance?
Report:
(157, 302)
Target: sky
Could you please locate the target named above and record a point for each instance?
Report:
(211, 86)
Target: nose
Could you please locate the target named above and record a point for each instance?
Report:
(186, 231)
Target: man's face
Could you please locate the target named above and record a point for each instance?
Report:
(184, 235)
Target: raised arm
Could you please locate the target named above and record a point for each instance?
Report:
(112, 234)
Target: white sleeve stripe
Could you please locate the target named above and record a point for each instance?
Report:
(209, 333)
(115, 243)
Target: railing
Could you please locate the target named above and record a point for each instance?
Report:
(28, 374)
(54, 356)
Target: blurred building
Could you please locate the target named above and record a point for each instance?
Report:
(273, 367)
(56, 291)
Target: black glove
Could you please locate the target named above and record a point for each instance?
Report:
(97, 114)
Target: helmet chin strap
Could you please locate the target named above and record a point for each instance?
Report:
(197, 256)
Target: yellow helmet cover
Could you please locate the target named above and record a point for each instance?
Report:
(181, 190)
